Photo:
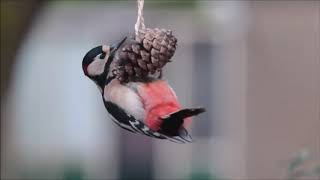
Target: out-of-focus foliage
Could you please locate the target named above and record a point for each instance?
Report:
(171, 4)
(296, 169)
(154, 3)
(73, 172)
(15, 16)
(203, 175)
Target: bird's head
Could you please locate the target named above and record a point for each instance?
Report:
(96, 62)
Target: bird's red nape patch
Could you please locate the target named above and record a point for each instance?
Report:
(158, 100)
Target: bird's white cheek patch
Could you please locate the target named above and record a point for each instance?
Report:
(96, 67)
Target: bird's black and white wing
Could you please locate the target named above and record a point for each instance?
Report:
(128, 122)
(119, 116)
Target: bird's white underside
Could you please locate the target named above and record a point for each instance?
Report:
(124, 97)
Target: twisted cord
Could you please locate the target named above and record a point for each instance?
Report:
(140, 20)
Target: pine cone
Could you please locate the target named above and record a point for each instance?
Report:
(145, 55)
(160, 42)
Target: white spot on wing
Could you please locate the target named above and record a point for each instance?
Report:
(124, 126)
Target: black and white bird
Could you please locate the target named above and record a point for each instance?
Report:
(147, 107)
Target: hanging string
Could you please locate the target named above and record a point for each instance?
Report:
(140, 20)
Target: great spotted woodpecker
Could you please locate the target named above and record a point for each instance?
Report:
(148, 107)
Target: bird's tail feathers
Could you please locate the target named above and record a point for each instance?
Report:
(172, 122)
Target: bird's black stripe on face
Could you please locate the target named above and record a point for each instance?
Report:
(103, 55)
(89, 57)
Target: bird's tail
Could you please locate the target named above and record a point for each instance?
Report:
(172, 123)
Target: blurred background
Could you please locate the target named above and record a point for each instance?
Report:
(254, 65)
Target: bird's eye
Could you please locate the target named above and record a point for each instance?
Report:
(102, 56)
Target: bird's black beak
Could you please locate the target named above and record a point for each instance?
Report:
(113, 50)
(115, 47)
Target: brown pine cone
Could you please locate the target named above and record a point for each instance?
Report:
(160, 42)
(145, 55)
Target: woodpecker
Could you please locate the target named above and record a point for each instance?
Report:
(148, 107)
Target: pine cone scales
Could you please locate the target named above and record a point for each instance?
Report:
(148, 53)
(158, 41)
